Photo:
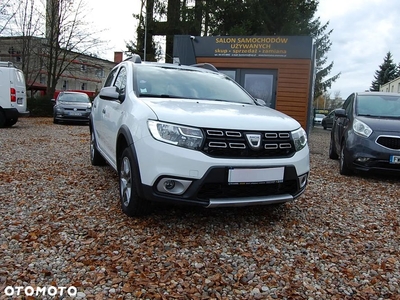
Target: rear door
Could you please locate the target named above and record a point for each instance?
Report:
(4, 88)
(20, 88)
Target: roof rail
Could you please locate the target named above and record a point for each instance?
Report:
(135, 58)
(7, 64)
(206, 66)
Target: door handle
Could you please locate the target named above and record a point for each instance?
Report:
(103, 111)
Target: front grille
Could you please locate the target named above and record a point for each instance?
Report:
(223, 143)
(219, 190)
(78, 109)
(389, 142)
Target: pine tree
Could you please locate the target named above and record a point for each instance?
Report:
(387, 72)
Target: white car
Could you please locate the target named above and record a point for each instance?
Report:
(318, 119)
(185, 134)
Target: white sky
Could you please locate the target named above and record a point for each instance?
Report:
(363, 32)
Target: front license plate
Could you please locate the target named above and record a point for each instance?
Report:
(255, 176)
(73, 113)
(394, 159)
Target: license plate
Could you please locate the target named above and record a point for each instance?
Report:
(20, 101)
(255, 176)
(74, 113)
(395, 159)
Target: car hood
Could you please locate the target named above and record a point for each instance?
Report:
(218, 114)
(382, 124)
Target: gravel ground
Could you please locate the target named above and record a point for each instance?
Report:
(62, 227)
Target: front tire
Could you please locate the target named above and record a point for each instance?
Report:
(332, 150)
(95, 157)
(131, 203)
(344, 169)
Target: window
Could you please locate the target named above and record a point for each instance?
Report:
(120, 81)
(110, 78)
(83, 68)
(65, 85)
(83, 86)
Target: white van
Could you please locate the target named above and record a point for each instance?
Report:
(12, 94)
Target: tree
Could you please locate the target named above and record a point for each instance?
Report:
(68, 36)
(5, 14)
(387, 72)
(251, 17)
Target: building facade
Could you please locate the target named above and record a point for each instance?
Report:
(82, 72)
(392, 86)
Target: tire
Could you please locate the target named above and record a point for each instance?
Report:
(95, 157)
(55, 121)
(2, 119)
(344, 169)
(332, 150)
(11, 122)
(131, 204)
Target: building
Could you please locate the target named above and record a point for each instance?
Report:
(280, 70)
(83, 72)
(391, 87)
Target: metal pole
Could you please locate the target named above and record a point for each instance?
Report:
(145, 34)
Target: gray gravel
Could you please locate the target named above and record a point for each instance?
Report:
(62, 227)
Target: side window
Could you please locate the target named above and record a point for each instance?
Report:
(110, 78)
(120, 81)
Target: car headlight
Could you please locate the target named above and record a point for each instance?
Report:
(361, 128)
(178, 135)
(299, 137)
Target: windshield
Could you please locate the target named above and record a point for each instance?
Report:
(378, 106)
(169, 82)
(69, 97)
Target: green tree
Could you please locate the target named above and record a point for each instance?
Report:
(387, 72)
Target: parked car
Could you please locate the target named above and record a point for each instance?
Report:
(71, 107)
(318, 119)
(185, 134)
(327, 121)
(12, 94)
(366, 133)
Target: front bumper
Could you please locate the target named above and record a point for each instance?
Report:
(203, 180)
(365, 154)
(84, 117)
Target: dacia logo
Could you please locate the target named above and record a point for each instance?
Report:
(254, 140)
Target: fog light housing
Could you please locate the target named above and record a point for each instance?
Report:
(169, 184)
(303, 180)
(173, 185)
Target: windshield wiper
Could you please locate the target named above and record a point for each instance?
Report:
(159, 96)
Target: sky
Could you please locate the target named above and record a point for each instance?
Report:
(364, 31)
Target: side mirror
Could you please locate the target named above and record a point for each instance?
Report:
(53, 101)
(109, 93)
(260, 102)
(340, 113)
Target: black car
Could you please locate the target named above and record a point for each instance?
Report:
(72, 107)
(327, 121)
(366, 133)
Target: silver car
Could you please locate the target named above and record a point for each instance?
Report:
(72, 107)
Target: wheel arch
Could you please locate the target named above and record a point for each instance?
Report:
(125, 140)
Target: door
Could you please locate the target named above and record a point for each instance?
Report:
(261, 84)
